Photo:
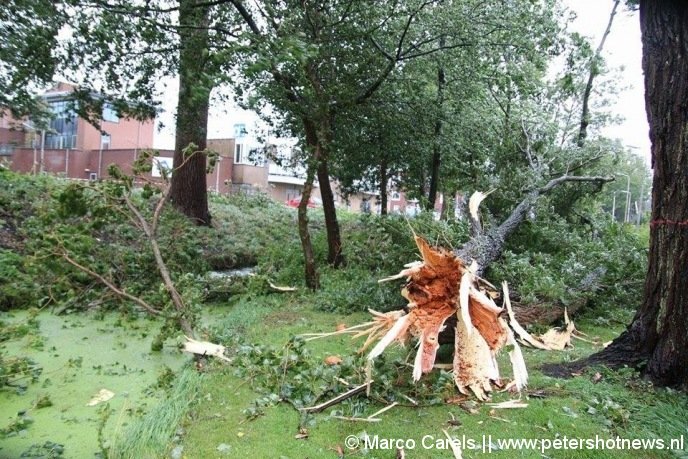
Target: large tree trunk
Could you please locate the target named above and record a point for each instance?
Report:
(657, 334)
(188, 191)
(594, 71)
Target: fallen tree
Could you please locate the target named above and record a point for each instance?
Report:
(486, 247)
(438, 288)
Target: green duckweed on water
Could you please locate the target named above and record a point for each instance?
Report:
(80, 356)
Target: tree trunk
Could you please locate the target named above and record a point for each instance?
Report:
(657, 334)
(335, 257)
(437, 142)
(311, 270)
(383, 187)
(188, 191)
(594, 71)
(318, 141)
(487, 247)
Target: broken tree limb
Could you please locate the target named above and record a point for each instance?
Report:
(205, 348)
(338, 399)
(119, 292)
(488, 246)
(281, 289)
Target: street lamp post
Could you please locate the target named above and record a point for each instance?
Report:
(628, 194)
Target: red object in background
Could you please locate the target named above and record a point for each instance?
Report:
(295, 203)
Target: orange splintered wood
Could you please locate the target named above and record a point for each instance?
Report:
(433, 292)
(436, 288)
(492, 328)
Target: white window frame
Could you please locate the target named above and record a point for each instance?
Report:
(240, 130)
(240, 154)
(396, 196)
(105, 141)
(109, 113)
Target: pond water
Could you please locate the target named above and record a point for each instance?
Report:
(80, 356)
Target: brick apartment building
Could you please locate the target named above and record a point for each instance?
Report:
(74, 148)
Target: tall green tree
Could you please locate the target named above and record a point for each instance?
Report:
(121, 50)
(310, 61)
(657, 338)
(28, 38)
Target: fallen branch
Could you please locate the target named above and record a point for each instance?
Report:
(509, 404)
(278, 288)
(348, 418)
(338, 399)
(205, 348)
(488, 246)
(379, 412)
(110, 285)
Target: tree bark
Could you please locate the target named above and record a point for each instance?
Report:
(657, 334)
(188, 192)
(487, 246)
(335, 257)
(383, 187)
(437, 141)
(310, 267)
(594, 71)
(318, 141)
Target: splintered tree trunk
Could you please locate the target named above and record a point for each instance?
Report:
(657, 334)
(188, 191)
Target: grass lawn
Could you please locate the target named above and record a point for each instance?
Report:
(617, 405)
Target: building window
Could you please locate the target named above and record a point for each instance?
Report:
(396, 196)
(93, 176)
(110, 114)
(62, 131)
(239, 154)
(105, 140)
(240, 131)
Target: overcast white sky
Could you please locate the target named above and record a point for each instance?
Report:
(622, 50)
